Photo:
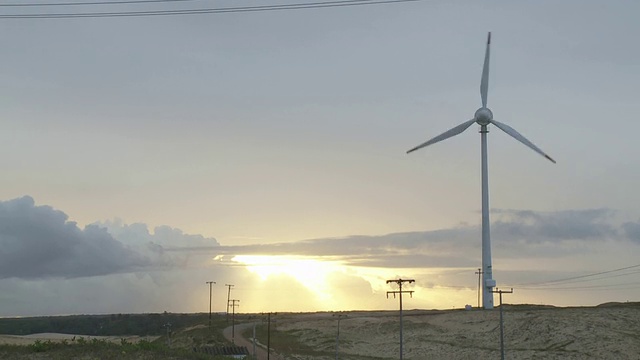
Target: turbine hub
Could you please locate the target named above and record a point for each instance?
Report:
(483, 116)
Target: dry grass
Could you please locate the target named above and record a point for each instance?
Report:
(531, 332)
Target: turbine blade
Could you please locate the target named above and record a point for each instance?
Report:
(516, 135)
(445, 135)
(484, 84)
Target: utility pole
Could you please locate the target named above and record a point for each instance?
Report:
(400, 292)
(233, 326)
(479, 273)
(268, 335)
(255, 355)
(501, 319)
(168, 326)
(339, 316)
(210, 283)
(228, 297)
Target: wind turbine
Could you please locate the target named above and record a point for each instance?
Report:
(484, 117)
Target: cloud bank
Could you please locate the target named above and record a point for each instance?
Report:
(514, 234)
(40, 242)
(116, 267)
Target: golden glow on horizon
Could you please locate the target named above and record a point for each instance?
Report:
(319, 276)
(311, 273)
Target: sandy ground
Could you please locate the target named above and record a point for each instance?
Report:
(56, 337)
(530, 333)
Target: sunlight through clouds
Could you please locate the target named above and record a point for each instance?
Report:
(311, 273)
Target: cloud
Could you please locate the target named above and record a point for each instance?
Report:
(164, 236)
(514, 234)
(632, 231)
(164, 268)
(556, 226)
(40, 242)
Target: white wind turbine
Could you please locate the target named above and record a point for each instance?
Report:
(484, 117)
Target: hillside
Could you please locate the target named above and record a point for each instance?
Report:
(609, 331)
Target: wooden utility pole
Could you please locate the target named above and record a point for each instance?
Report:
(479, 272)
(400, 292)
(501, 319)
(228, 297)
(168, 326)
(339, 316)
(268, 335)
(210, 283)
(233, 317)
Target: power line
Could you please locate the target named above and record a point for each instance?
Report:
(620, 286)
(221, 10)
(119, 2)
(568, 280)
(588, 279)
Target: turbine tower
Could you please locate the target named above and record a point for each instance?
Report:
(484, 117)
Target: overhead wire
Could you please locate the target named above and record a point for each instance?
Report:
(218, 10)
(569, 283)
(573, 283)
(116, 2)
(572, 278)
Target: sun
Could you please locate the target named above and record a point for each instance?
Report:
(308, 271)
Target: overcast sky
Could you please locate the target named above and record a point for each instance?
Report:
(143, 155)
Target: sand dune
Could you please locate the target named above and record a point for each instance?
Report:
(531, 332)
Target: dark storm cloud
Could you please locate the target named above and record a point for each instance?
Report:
(40, 242)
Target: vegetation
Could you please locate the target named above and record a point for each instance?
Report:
(187, 331)
(101, 325)
(283, 341)
(98, 349)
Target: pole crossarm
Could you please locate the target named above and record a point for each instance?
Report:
(498, 291)
(400, 292)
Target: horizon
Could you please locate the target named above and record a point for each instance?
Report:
(147, 156)
(404, 310)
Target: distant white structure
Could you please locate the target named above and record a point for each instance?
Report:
(484, 117)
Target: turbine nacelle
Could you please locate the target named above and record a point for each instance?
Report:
(483, 116)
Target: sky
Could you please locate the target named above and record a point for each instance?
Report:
(144, 156)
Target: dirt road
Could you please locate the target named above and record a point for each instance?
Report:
(241, 341)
